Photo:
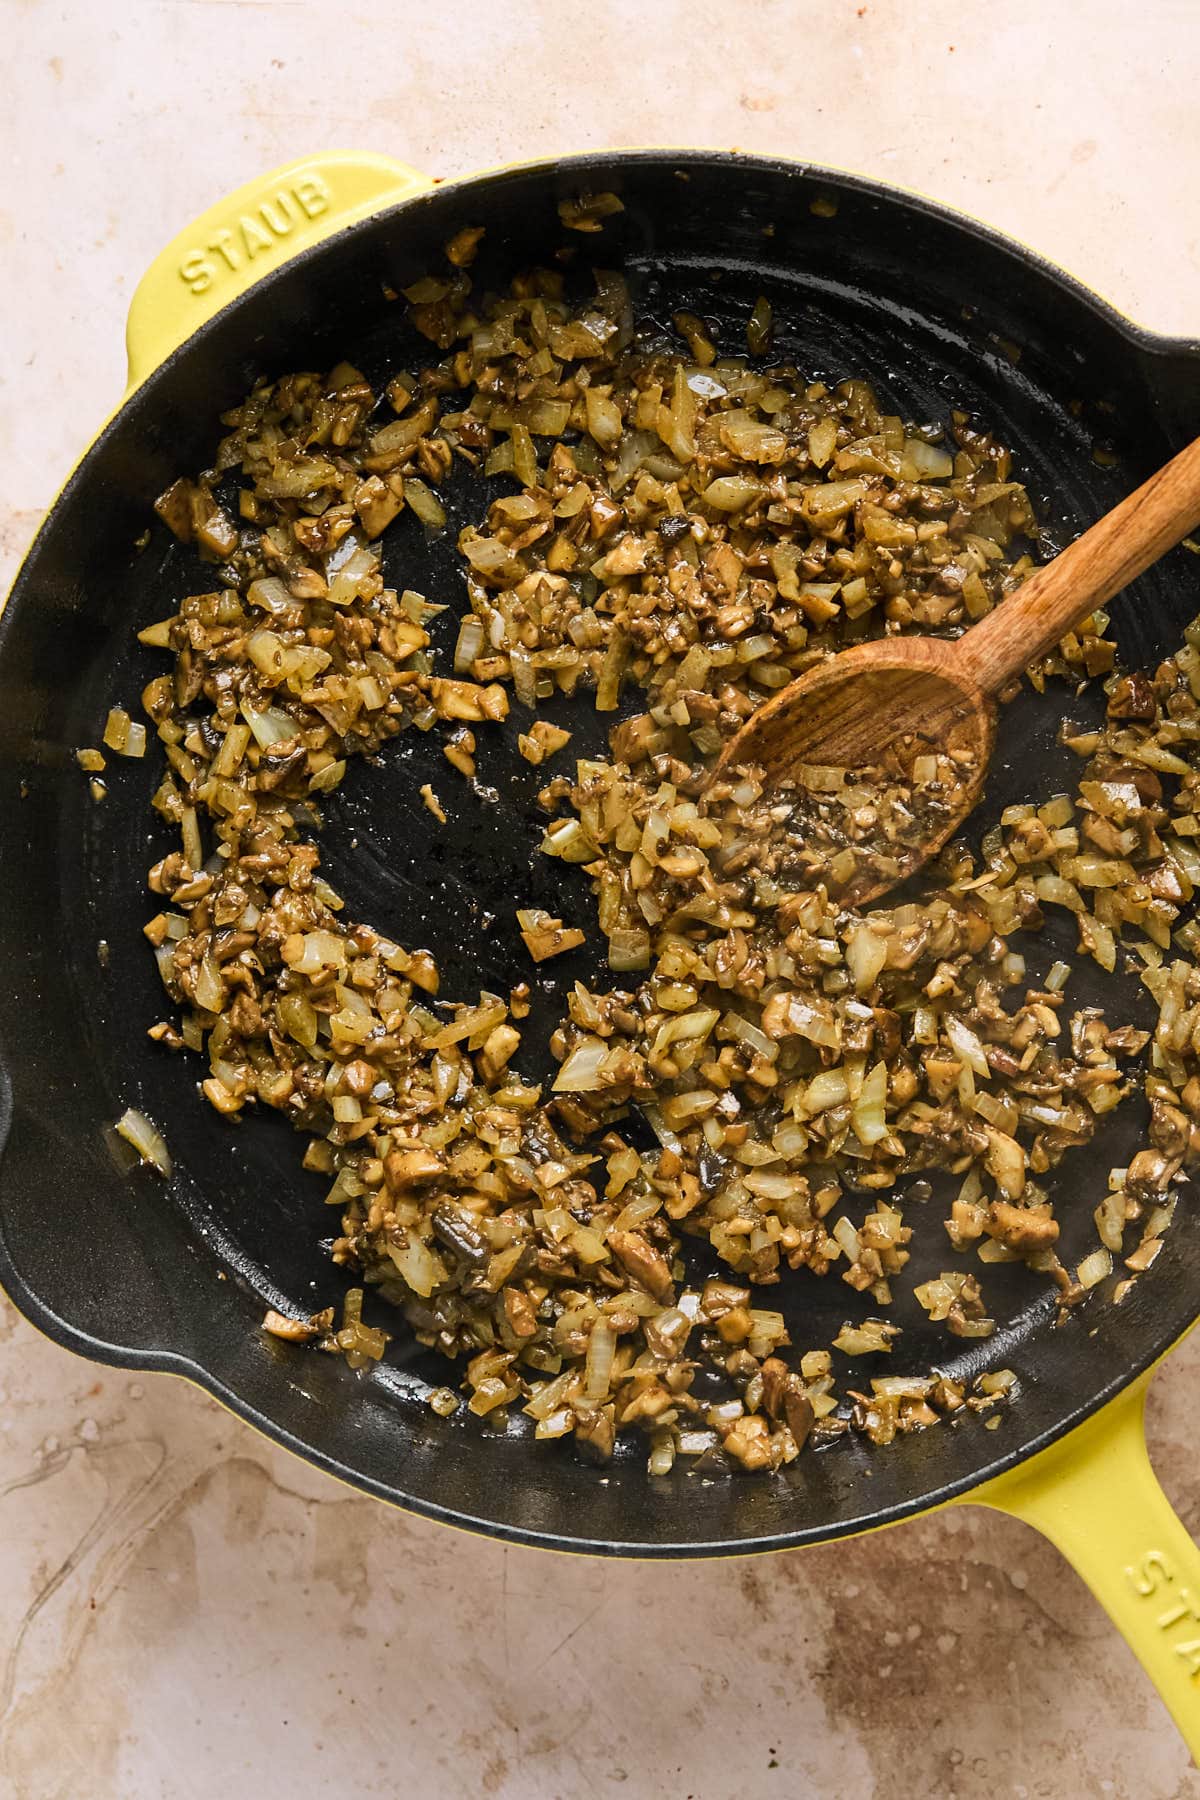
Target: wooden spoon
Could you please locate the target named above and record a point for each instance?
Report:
(848, 711)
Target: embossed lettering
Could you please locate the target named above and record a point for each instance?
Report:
(278, 214)
(1185, 1609)
(1155, 1571)
(1146, 1578)
(313, 195)
(254, 237)
(222, 243)
(197, 271)
(277, 217)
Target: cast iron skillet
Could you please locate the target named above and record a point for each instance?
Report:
(933, 309)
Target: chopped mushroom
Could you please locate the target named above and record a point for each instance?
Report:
(297, 1331)
(1024, 1229)
(542, 740)
(642, 1262)
(433, 804)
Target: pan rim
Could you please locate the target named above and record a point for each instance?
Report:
(180, 1363)
(1139, 337)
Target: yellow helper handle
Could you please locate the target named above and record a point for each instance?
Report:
(226, 250)
(1095, 1496)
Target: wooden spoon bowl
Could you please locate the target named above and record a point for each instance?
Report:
(852, 710)
(833, 713)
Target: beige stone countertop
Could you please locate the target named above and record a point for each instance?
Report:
(187, 1611)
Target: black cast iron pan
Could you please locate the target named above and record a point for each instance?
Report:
(937, 312)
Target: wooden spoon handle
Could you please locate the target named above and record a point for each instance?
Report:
(1087, 573)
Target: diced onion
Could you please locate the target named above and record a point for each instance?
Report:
(580, 1073)
(1094, 1268)
(146, 1139)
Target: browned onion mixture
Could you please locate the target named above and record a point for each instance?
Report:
(850, 829)
(678, 521)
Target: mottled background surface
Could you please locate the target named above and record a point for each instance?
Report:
(185, 1610)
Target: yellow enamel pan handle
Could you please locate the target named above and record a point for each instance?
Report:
(252, 231)
(1095, 1496)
